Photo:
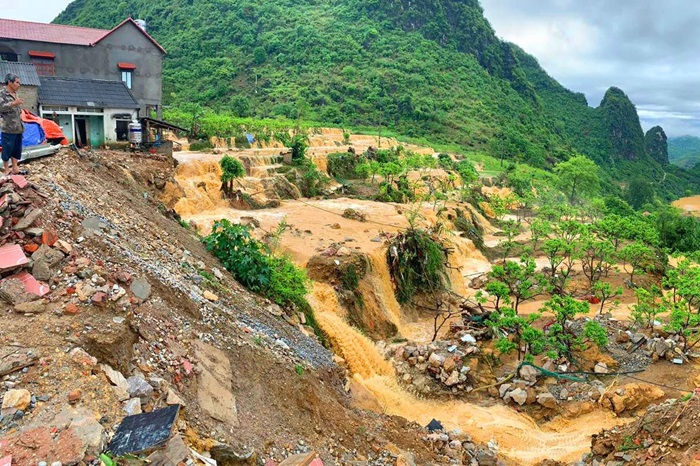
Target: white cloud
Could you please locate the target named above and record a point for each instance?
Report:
(647, 51)
(38, 11)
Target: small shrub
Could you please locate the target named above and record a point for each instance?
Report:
(251, 263)
(200, 146)
(417, 263)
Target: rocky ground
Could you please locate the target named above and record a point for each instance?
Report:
(136, 316)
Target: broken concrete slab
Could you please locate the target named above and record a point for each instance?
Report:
(28, 220)
(32, 285)
(13, 291)
(94, 226)
(172, 455)
(31, 307)
(214, 385)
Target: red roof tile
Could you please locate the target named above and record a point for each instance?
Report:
(55, 33)
(126, 66)
(61, 34)
(31, 284)
(12, 255)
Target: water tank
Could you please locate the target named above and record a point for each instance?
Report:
(135, 132)
(142, 23)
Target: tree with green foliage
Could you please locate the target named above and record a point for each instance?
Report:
(561, 256)
(231, 168)
(638, 257)
(562, 339)
(604, 291)
(522, 336)
(648, 306)
(520, 278)
(639, 193)
(577, 178)
(597, 258)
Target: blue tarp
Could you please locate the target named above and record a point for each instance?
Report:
(33, 135)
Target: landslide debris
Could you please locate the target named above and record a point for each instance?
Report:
(136, 316)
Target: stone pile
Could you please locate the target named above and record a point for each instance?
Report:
(438, 366)
(658, 347)
(458, 448)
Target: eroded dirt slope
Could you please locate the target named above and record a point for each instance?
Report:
(138, 291)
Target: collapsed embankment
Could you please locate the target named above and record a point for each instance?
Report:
(319, 236)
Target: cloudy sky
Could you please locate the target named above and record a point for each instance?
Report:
(649, 49)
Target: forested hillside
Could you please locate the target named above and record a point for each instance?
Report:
(684, 151)
(432, 69)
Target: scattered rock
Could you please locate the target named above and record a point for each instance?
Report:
(81, 356)
(132, 406)
(138, 387)
(15, 400)
(547, 400)
(208, 295)
(74, 396)
(529, 373)
(518, 395)
(141, 289)
(115, 377)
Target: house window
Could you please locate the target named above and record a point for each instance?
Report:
(7, 54)
(127, 71)
(122, 130)
(44, 62)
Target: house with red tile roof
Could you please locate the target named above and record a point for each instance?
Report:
(126, 54)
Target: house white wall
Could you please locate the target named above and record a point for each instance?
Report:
(65, 117)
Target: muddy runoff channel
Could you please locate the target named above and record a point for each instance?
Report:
(315, 226)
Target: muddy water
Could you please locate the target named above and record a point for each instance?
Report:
(317, 224)
(690, 204)
(519, 438)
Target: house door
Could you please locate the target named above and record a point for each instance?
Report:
(81, 132)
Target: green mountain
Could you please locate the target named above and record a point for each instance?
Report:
(432, 69)
(684, 151)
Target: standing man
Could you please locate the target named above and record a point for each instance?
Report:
(11, 124)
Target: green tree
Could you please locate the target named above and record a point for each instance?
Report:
(562, 339)
(521, 279)
(638, 257)
(639, 193)
(577, 177)
(231, 169)
(604, 291)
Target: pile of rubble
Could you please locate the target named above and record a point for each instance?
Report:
(668, 433)
(457, 447)
(111, 311)
(657, 347)
(439, 366)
